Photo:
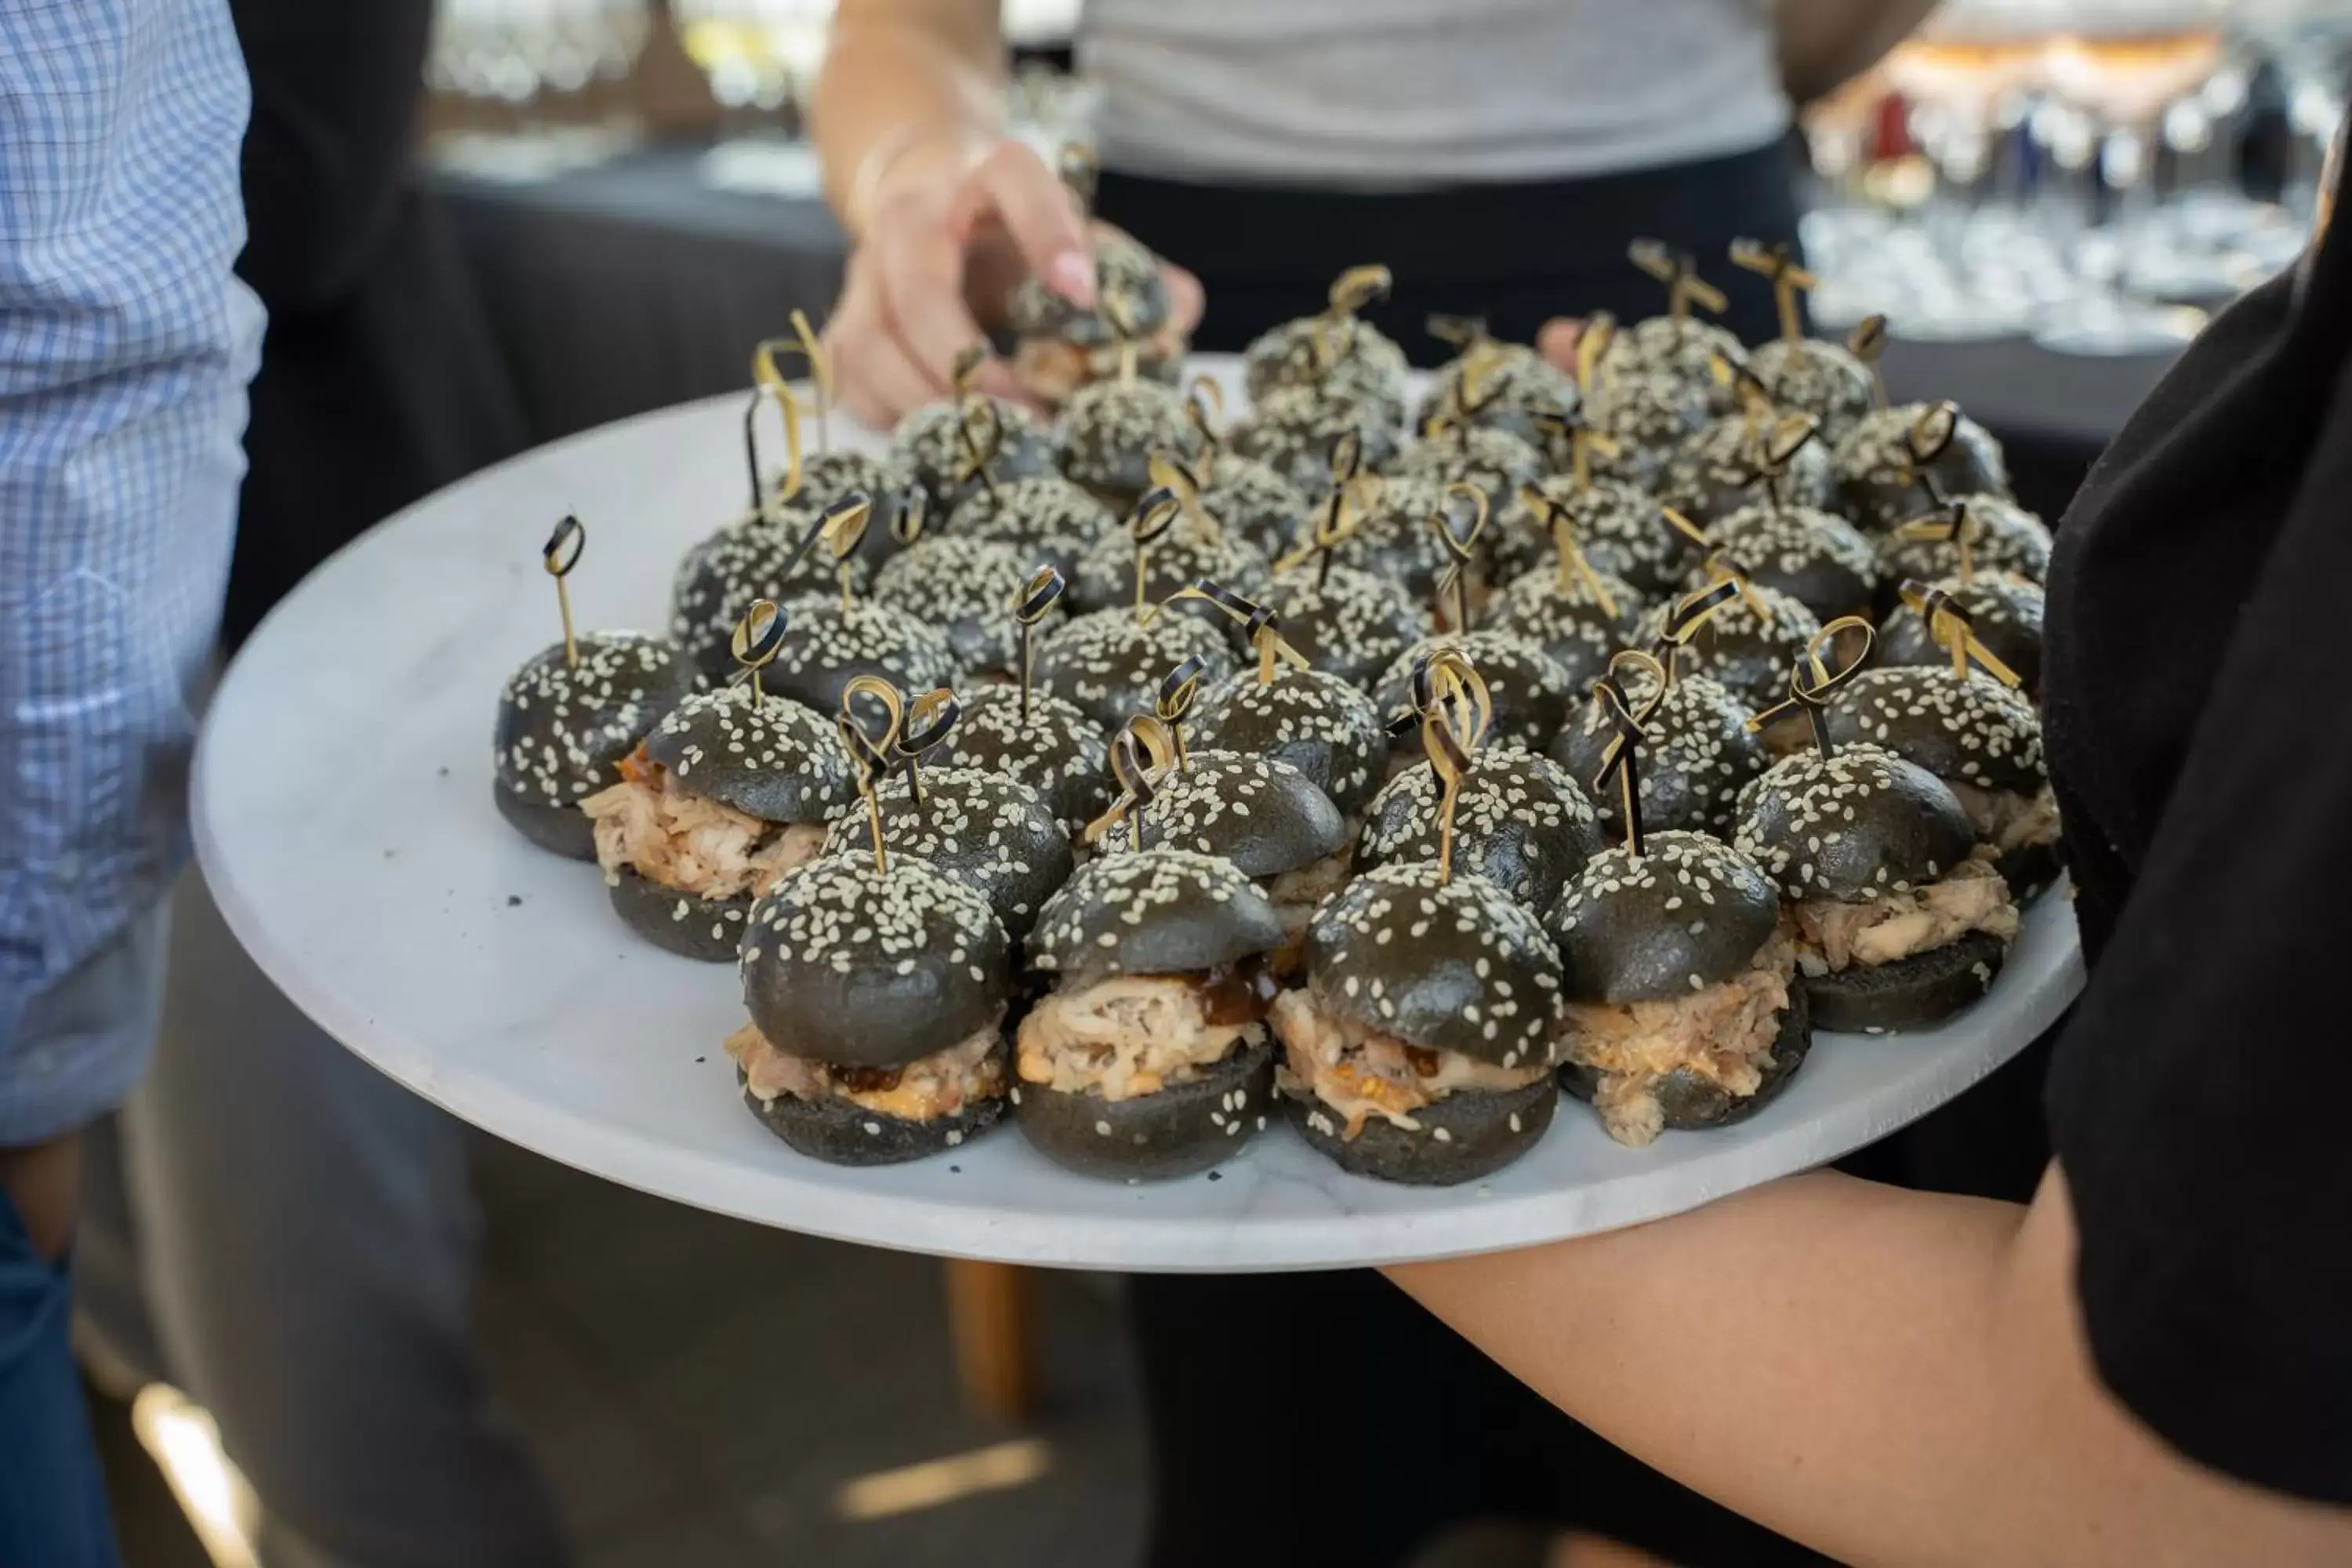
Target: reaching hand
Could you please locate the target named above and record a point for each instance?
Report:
(952, 222)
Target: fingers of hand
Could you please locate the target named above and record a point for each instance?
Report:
(1558, 341)
(1012, 182)
(1186, 298)
(920, 273)
(873, 375)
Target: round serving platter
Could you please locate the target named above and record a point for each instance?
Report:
(344, 821)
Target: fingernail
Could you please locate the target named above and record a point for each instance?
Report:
(1072, 276)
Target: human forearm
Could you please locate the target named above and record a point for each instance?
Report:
(1890, 1377)
(1826, 43)
(899, 72)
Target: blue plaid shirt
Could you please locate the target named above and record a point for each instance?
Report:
(125, 345)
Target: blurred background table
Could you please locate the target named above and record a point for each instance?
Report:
(636, 283)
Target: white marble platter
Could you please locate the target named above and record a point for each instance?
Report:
(344, 820)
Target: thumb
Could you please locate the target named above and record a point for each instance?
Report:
(1558, 341)
(1037, 211)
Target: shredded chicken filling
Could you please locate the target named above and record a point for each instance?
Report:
(1723, 1033)
(1360, 1074)
(1133, 1035)
(2008, 820)
(941, 1084)
(686, 842)
(1054, 368)
(1834, 937)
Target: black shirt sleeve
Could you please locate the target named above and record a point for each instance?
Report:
(2200, 1103)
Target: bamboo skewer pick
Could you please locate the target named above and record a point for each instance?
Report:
(929, 719)
(1867, 342)
(755, 640)
(1592, 350)
(980, 436)
(1261, 627)
(1574, 568)
(1179, 690)
(1683, 622)
(1950, 626)
(1790, 281)
(1334, 330)
(1142, 756)
(1204, 409)
(1455, 710)
(1038, 596)
(841, 526)
(1621, 764)
(767, 377)
(1460, 498)
(1811, 683)
(1679, 273)
(1154, 515)
(869, 753)
(1958, 527)
(559, 555)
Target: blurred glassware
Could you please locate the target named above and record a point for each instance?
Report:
(527, 89)
(2074, 169)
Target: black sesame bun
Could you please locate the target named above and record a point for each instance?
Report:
(1294, 430)
(1047, 520)
(1750, 654)
(1915, 993)
(1520, 394)
(1649, 416)
(2004, 615)
(1060, 347)
(2005, 539)
(1680, 348)
(1394, 541)
(1262, 814)
(1178, 1130)
(830, 644)
(1254, 504)
(842, 1132)
(1369, 366)
(829, 476)
(1463, 1137)
(965, 587)
(1812, 376)
(1349, 624)
(1532, 695)
(1108, 431)
(1692, 1103)
(1569, 624)
(1969, 729)
(1971, 732)
(1310, 719)
(562, 727)
(1875, 486)
(1617, 526)
(720, 579)
(1443, 966)
(1699, 756)
(1817, 558)
(1520, 822)
(1496, 461)
(1851, 826)
(1719, 470)
(1690, 911)
(854, 967)
(1182, 556)
(928, 445)
(1109, 664)
(1056, 750)
(1152, 911)
(768, 756)
(988, 831)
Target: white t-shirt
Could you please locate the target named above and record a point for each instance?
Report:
(1393, 94)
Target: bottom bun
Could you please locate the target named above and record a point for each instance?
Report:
(1915, 993)
(709, 929)
(1179, 1130)
(1692, 1103)
(842, 1132)
(1463, 1137)
(562, 830)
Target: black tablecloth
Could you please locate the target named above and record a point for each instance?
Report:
(630, 286)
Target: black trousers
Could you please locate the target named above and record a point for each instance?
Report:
(1371, 1425)
(1515, 253)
